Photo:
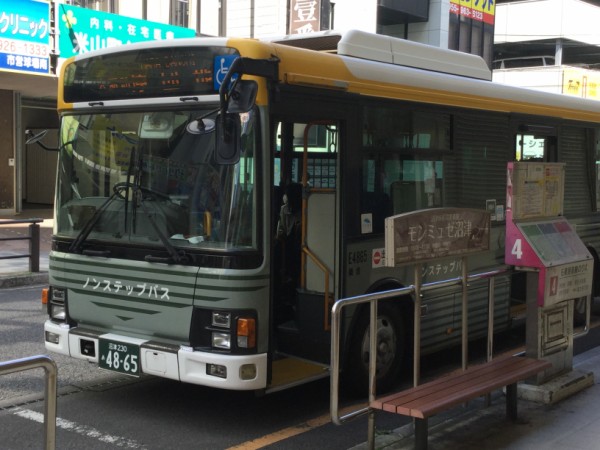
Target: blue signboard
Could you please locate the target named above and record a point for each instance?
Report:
(25, 36)
(82, 30)
(221, 67)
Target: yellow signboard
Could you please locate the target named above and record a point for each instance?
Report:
(478, 10)
(581, 83)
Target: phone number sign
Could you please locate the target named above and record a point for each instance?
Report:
(25, 36)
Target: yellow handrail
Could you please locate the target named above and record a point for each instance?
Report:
(305, 249)
(326, 271)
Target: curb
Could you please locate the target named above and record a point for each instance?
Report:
(23, 279)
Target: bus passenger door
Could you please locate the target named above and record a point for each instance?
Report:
(306, 205)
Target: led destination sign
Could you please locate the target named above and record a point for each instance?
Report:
(175, 71)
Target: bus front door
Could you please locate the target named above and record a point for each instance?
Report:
(305, 248)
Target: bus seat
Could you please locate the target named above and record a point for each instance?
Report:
(404, 196)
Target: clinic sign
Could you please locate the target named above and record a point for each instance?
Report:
(25, 36)
(82, 30)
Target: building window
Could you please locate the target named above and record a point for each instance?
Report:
(471, 30)
(180, 12)
(97, 5)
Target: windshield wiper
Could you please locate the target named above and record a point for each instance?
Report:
(75, 246)
(81, 237)
(175, 257)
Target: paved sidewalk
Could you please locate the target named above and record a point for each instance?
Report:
(570, 424)
(15, 272)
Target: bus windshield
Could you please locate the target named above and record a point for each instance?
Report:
(150, 178)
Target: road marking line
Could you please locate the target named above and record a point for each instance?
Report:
(294, 430)
(79, 429)
(283, 434)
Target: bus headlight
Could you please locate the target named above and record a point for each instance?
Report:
(58, 312)
(224, 330)
(57, 304)
(221, 319)
(221, 340)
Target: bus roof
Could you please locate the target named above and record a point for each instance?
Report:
(384, 66)
(388, 49)
(387, 67)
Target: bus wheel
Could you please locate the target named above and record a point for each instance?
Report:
(390, 351)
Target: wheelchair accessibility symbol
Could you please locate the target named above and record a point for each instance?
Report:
(221, 66)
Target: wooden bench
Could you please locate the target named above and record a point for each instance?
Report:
(428, 399)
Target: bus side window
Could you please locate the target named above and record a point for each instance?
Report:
(374, 197)
(536, 142)
(529, 147)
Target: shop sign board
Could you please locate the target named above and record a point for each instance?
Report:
(305, 16)
(25, 36)
(82, 30)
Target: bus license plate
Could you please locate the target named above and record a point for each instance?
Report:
(120, 357)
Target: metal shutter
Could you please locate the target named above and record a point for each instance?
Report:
(476, 172)
(574, 152)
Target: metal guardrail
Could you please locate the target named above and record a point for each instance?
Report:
(372, 299)
(51, 373)
(34, 241)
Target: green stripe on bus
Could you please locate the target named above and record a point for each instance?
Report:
(190, 274)
(126, 308)
(136, 299)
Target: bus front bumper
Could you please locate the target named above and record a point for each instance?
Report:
(236, 372)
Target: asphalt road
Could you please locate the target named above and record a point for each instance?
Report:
(100, 410)
(22, 335)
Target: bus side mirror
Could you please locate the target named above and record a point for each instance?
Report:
(242, 96)
(36, 139)
(227, 146)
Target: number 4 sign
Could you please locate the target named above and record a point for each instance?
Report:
(518, 252)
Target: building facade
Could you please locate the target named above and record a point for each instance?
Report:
(549, 45)
(41, 34)
(35, 37)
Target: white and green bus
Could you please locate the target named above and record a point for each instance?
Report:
(215, 197)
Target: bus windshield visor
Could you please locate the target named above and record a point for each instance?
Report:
(144, 177)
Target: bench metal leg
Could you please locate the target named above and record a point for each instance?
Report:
(511, 402)
(421, 431)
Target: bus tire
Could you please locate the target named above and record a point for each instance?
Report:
(390, 351)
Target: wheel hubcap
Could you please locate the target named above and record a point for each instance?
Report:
(386, 346)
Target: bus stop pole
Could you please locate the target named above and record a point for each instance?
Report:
(465, 315)
(417, 325)
(372, 371)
